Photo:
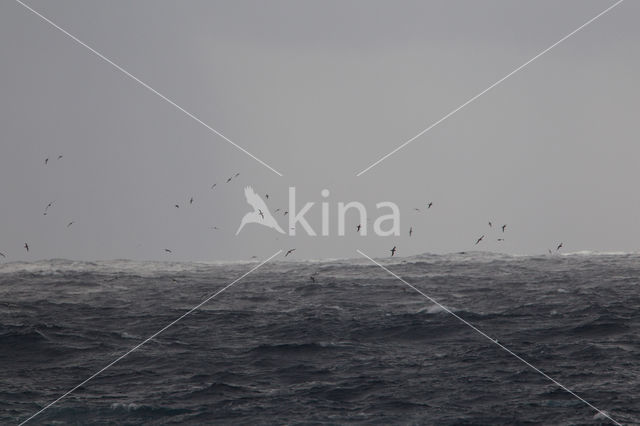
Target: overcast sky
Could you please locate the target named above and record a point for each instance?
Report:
(318, 90)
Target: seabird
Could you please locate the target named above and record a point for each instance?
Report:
(358, 228)
(500, 239)
(46, 160)
(430, 204)
(393, 251)
(228, 180)
(215, 228)
(70, 223)
(286, 213)
(559, 247)
(289, 252)
(26, 246)
(479, 239)
(2, 254)
(59, 157)
(313, 280)
(410, 230)
(503, 226)
(236, 175)
(168, 251)
(416, 209)
(267, 196)
(260, 213)
(276, 210)
(549, 250)
(191, 200)
(174, 280)
(177, 206)
(490, 225)
(213, 186)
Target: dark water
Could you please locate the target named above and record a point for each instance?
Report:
(357, 346)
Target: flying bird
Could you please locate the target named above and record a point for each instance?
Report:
(503, 227)
(430, 204)
(214, 185)
(236, 175)
(59, 157)
(358, 228)
(168, 251)
(490, 225)
(2, 254)
(46, 160)
(500, 239)
(260, 209)
(393, 251)
(416, 209)
(177, 206)
(70, 223)
(289, 252)
(285, 213)
(410, 230)
(559, 247)
(191, 200)
(229, 180)
(267, 196)
(276, 210)
(479, 239)
(26, 246)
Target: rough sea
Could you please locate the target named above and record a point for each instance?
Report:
(356, 346)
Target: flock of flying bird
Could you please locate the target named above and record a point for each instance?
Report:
(358, 227)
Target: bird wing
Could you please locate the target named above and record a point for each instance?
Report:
(254, 200)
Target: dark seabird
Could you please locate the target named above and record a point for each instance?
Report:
(500, 239)
(479, 239)
(260, 213)
(276, 210)
(213, 186)
(228, 180)
(358, 228)
(2, 254)
(46, 160)
(286, 213)
(236, 175)
(191, 200)
(490, 225)
(430, 204)
(393, 251)
(503, 227)
(289, 252)
(177, 206)
(559, 247)
(549, 250)
(313, 280)
(26, 246)
(168, 251)
(410, 230)
(70, 223)
(266, 196)
(174, 280)
(59, 157)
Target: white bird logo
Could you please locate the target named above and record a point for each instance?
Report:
(260, 213)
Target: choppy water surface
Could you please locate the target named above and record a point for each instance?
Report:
(356, 346)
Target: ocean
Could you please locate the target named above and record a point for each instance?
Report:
(352, 346)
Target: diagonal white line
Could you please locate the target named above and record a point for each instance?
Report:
(490, 87)
(495, 341)
(150, 338)
(136, 79)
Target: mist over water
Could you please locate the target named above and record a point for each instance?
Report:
(355, 346)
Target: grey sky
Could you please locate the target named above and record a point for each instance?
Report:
(319, 90)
